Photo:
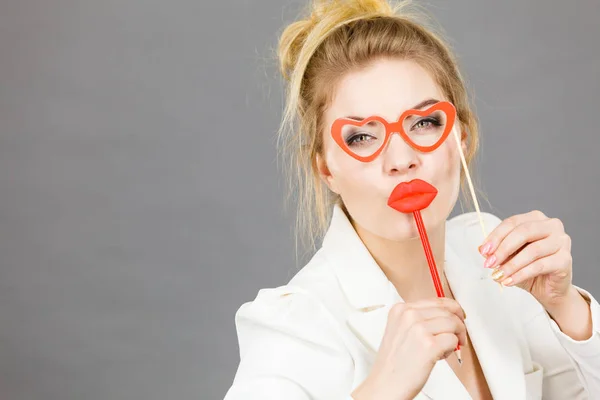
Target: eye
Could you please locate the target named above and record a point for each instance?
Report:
(427, 123)
(359, 138)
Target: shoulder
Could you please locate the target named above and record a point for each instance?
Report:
(286, 323)
(298, 308)
(286, 310)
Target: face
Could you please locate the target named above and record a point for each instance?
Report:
(387, 88)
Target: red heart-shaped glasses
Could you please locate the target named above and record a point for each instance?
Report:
(424, 130)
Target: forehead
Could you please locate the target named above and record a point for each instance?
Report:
(387, 87)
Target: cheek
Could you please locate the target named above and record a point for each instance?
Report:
(349, 174)
(447, 177)
(451, 163)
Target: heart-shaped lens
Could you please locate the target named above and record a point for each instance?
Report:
(426, 130)
(363, 139)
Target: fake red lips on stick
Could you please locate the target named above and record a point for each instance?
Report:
(412, 197)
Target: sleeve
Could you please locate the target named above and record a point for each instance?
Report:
(585, 353)
(290, 349)
(571, 368)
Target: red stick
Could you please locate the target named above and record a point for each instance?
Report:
(428, 253)
(430, 259)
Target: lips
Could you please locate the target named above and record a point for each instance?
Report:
(412, 196)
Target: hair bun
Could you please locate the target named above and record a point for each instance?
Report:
(331, 13)
(350, 8)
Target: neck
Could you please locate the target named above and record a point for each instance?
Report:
(405, 264)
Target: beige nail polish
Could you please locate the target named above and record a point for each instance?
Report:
(497, 274)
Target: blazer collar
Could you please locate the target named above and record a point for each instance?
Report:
(363, 282)
(370, 292)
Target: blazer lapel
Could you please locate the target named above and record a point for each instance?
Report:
(488, 324)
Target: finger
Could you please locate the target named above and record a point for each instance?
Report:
(408, 315)
(529, 254)
(446, 324)
(490, 244)
(514, 254)
(521, 235)
(444, 345)
(425, 314)
(540, 267)
(440, 302)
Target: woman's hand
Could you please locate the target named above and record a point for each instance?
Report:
(533, 252)
(417, 335)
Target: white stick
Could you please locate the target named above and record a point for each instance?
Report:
(471, 189)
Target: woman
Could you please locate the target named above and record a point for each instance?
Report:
(361, 320)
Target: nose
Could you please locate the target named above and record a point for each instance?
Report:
(398, 156)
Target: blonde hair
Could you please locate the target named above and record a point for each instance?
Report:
(336, 37)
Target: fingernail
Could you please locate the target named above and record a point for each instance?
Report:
(498, 274)
(485, 249)
(490, 261)
(507, 282)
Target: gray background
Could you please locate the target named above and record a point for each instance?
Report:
(140, 201)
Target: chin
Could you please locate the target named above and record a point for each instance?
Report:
(394, 225)
(389, 225)
(400, 226)
(404, 233)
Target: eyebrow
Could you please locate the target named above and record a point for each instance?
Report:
(422, 104)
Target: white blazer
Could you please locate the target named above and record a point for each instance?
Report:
(317, 337)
